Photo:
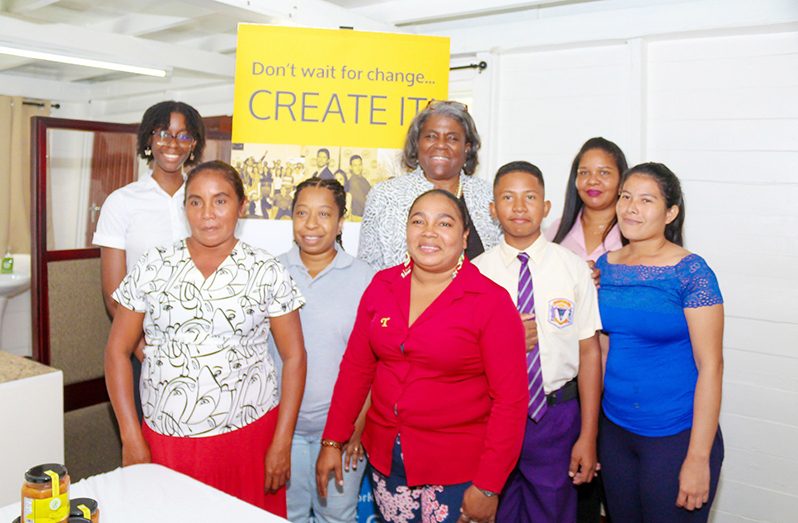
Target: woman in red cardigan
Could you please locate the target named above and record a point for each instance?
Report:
(442, 350)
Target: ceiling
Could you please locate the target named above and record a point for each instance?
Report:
(195, 40)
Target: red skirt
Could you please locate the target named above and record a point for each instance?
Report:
(234, 463)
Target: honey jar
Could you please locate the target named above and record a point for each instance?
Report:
(84, 508)
(45, 494)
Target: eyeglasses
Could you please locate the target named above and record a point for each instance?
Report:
(451, 103)
(163, 137)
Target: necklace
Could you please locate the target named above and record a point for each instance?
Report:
(595, 228)
(458, 192)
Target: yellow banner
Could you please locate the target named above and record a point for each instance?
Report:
(319, 86)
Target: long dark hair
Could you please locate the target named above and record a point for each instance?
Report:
(573, 203)
(225, 169)
(671, 190)
(332, 185)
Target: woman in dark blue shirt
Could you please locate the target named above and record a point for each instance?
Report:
(660, 444)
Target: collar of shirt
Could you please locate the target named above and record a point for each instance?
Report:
(342, 260)
(463, 283)
(150, 184)
(420, 181)
(509, 254)
(576, 239)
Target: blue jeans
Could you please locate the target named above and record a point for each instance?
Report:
(340, 506)
(641, 475)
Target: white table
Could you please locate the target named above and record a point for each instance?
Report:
(157, 494)
(32, 417)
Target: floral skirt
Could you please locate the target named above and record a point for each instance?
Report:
(399, 503)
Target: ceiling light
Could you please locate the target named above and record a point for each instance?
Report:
(74, 60)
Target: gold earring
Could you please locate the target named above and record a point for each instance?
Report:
(459, 265)
(406, 263)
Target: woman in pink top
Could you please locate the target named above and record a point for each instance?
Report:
(588, 225)
(589, 228)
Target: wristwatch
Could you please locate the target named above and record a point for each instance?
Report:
(487, 493)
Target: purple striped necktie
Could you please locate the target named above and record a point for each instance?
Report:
(526, 304)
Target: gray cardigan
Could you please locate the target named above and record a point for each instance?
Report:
(382, 233)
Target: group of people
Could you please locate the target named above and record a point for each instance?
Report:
(481, 369)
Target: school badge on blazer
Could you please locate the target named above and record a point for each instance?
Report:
(561, 312)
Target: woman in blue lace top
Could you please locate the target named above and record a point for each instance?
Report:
(660, 444)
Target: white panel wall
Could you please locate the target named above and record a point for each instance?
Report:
(723, 114)
(551, 102)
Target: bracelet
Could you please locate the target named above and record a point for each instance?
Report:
(331, 443)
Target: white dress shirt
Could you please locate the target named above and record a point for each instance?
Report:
(566, 302)
(140, 216)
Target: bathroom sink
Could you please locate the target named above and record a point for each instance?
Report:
(13, 284)
(19, 280)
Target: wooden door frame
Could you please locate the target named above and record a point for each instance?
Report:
(89, 392)
(40, 256)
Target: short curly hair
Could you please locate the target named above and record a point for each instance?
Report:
(158, 117)
(450, 110)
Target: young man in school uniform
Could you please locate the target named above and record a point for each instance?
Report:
(553, 287)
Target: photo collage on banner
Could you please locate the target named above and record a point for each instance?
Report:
(270, 173)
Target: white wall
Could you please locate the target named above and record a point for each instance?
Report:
(722, 112)
(548, 103)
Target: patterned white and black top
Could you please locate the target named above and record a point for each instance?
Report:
(382, 234)
(207, 368)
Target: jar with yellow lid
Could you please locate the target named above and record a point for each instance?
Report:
(84, 508)
(45, 494)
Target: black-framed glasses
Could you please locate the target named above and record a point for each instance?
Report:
(451, 103)
(163, 137)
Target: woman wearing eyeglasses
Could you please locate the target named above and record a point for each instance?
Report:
(149, 212)
(441, 151)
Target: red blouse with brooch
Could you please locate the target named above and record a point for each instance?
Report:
(453, 384)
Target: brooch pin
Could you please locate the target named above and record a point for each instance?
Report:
(384, 321)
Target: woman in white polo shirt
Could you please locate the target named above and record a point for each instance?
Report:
(149, 212)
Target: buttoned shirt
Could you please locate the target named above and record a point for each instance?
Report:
(453, 383)
(207, 368)
(384, 228)
(566, 303)
(326, 327)
(574, 241)
(140, 216)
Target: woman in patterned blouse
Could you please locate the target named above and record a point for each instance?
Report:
(209, 386)
(441, 151)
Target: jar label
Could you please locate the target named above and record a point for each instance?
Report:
(46, 510)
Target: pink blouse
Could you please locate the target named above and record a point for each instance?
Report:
(574, 241)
